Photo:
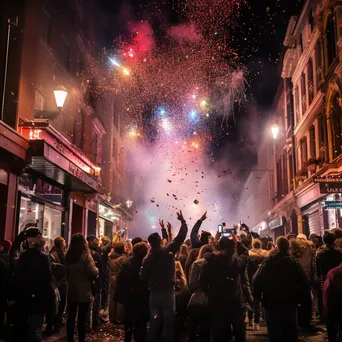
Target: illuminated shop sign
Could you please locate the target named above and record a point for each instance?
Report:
(108, 214)
(330, 188)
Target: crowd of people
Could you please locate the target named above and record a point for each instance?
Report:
(207, 288)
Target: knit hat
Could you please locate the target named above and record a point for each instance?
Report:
(314, 236)
(33, 232)
(302, 236)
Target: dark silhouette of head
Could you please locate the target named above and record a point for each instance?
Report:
(283, 244)
(226, 245)
(136, 240)
(140, 250)
(154, 240)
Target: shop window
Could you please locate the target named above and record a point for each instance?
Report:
(310, 81)
(303, 93)
(330, 40)
(31, 213)
(312, 142)
(52, 227)
(336, 125)
(46, 27)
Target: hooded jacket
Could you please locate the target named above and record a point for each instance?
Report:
(280, 282)
(158, 268)
(256, 258)
(220, 278)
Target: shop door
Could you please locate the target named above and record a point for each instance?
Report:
(279, 231)
(77, 219)
(91, 223)
(314, 226)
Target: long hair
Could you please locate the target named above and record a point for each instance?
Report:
(78, 247)
(184, 250)
(181, 282)
(204, 249)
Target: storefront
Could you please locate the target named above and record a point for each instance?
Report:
(262, 229)
(277, 227)
(59, 178)
(13, 153)
(109, 221)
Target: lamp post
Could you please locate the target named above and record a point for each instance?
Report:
(275, 132)
(60, 95)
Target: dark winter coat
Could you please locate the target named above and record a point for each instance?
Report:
(220, 278)
(158, 268)
(332, 294)
(256, 258)
(130, 289)
(4, 282)
(195, 241)
(280, 282)
(34, 288)
(80, 276)
(105, 250)
(190, 260)
(326, 260)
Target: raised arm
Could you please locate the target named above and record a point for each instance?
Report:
(195, 241)
(174, 246)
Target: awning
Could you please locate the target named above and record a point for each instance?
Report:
(51, 163)
(260, 227)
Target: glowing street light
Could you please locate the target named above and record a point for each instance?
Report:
(275, 131)
(60, 95)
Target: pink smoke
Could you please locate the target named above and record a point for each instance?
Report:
(185, 32)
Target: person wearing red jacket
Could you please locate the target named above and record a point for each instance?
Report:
(332, 303)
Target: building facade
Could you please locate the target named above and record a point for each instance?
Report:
(308, 114)
(55, 168)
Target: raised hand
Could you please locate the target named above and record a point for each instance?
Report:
(204, 217)
(169, 227)
(161, 223)
(180, 216)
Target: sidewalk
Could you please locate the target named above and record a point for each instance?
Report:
(109, 333)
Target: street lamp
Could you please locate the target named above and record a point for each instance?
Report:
(60, 96)
(129, 203)
(275, 131)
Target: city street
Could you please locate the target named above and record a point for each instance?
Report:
(109, 334)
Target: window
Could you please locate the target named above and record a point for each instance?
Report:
(303, 93)
(312, 142)
(115, 149)
(66, 55)
(321, 131)
(304, 150)
(301, 43)
(291, 170)
(46, 27)
(318, 63)
(310, 81)
(311, 21)
(336, 125)
(94, 146)
(285, 179)
(330, 40)
(296, 96)
(279, 179)
(39, 100)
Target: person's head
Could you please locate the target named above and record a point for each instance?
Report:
(256, 244)
(5, 246)
(226, 245)
(119, 248)
(77, 248)
(136, 240)
(290, 236)
(34, 238)
(245, 242)
(204, 250)
(105, 240)
(188, 242)
(315, 239)
(269, 245)
(283, 244)
(302, 236)
(329, 239)
(140, 250)
(59, 243)
(184, 250)
(204, 238)
(128, 246)
(154, 240)
(243, 236)
(93, 241)
(337, 232)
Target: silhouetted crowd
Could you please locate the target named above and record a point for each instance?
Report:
(206, 288)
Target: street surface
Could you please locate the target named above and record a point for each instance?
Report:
(106, 333)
